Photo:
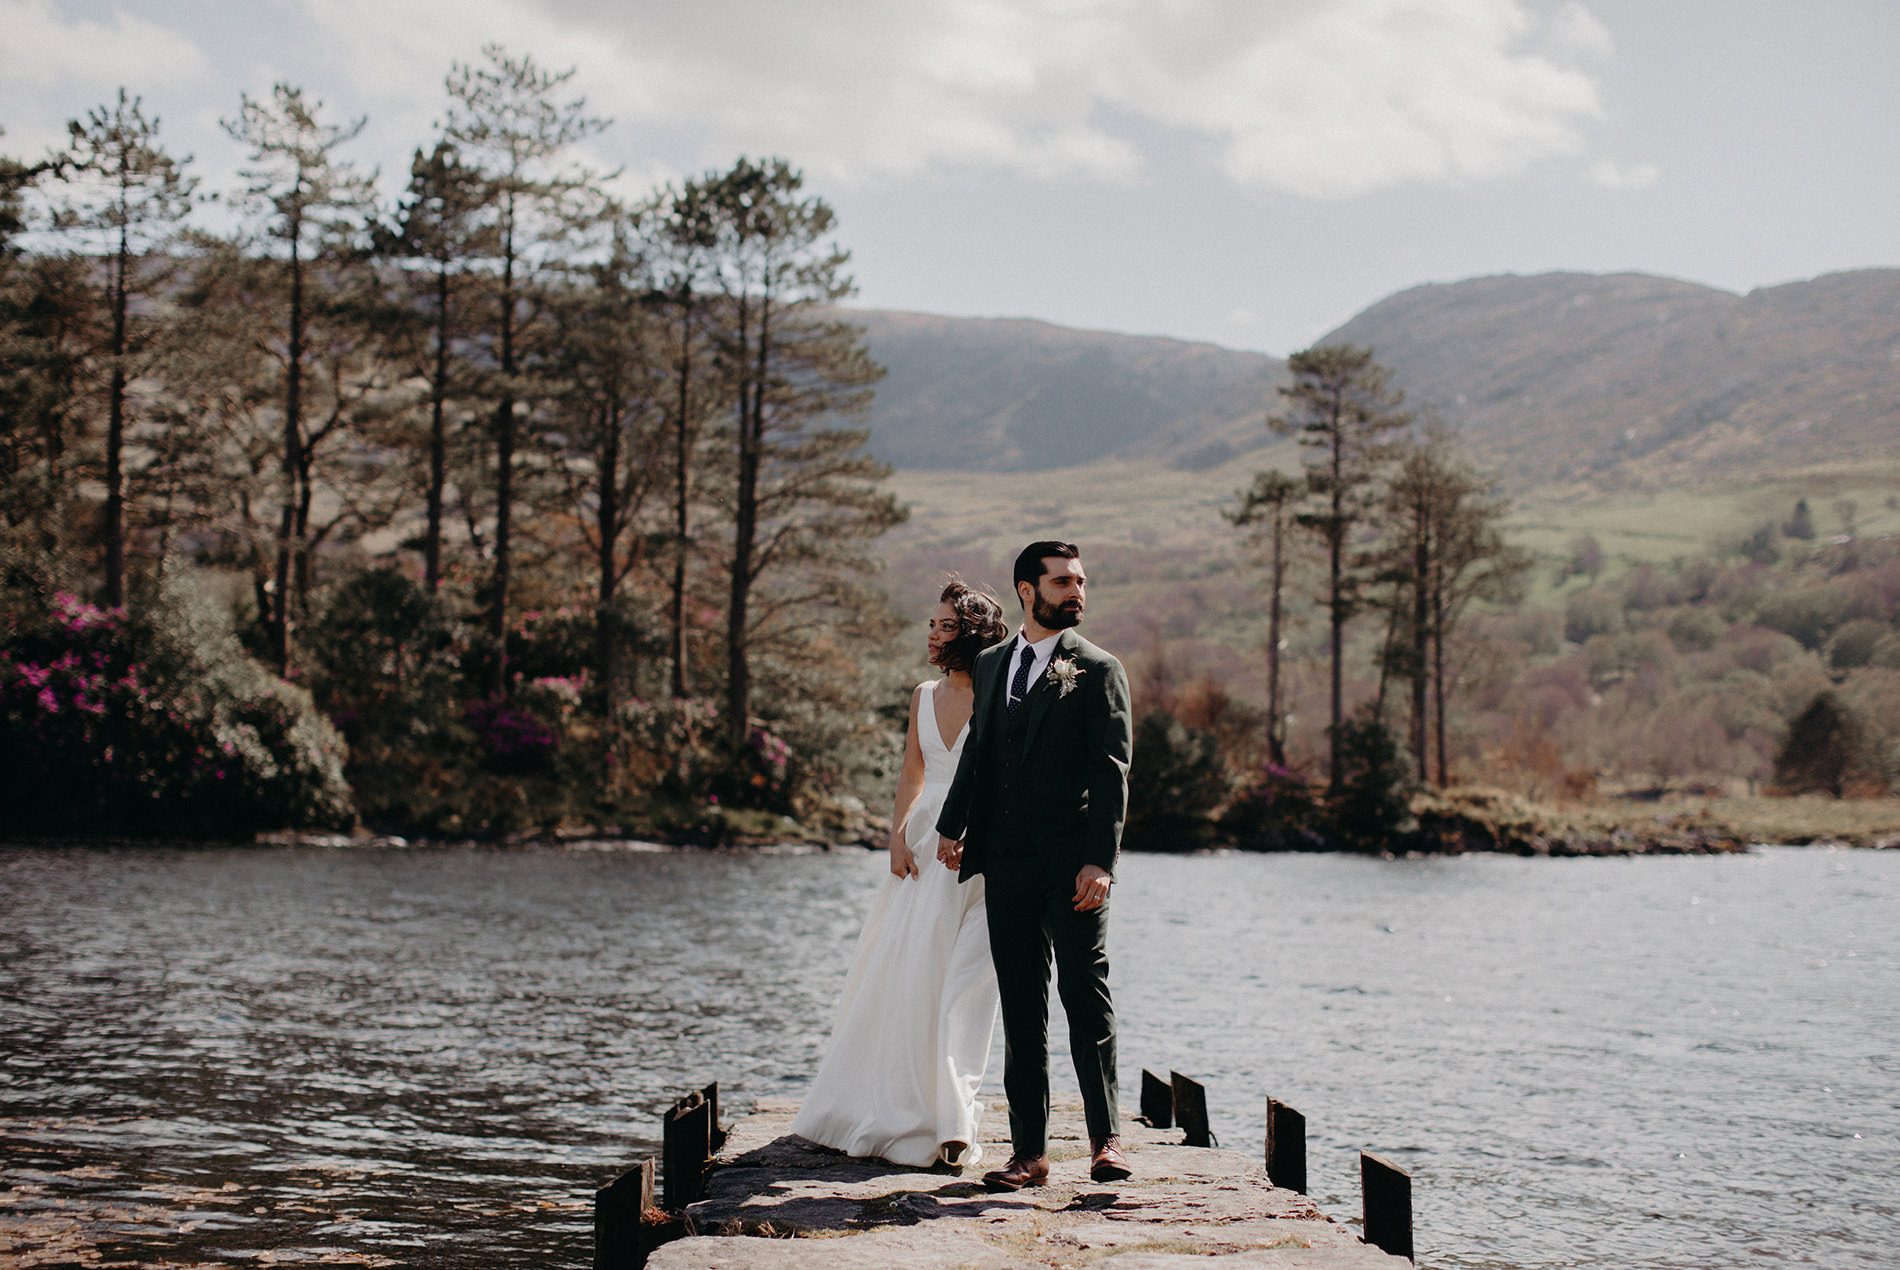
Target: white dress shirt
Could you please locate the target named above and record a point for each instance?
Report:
(1045, 651)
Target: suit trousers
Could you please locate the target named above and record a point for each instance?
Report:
(1032, 919)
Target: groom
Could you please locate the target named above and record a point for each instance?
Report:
(1036, 808)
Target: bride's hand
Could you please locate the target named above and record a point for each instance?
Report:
(903, 863)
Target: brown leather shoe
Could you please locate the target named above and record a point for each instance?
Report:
(1021, 1171)
(1108, 1164)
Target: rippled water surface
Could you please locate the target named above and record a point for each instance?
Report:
(432, 1057)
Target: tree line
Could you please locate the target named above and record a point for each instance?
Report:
(1406, 531)
(513, 404)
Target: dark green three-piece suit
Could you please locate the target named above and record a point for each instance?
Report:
(1036, 797)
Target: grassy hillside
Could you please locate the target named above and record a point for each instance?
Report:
(1633, 382)
(1580, 384)
(1002, 395)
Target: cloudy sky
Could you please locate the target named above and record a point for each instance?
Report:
(1250, 172)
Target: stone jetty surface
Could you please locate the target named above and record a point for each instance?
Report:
(774, 1201)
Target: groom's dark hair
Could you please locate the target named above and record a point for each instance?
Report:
(1029, 566)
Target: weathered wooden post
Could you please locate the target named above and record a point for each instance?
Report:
(1286, 1146)
(618, 1209)
(686, 1137)
(716, 1137)
(1190, 1110)
(1157, 1101)
(1388, 1204)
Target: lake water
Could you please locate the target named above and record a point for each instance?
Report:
(431, 1057)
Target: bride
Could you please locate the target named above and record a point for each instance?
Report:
(911, 1035)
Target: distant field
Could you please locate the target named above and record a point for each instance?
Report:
(978, 521)
(1653, 528)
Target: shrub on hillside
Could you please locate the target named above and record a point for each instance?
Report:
(1370, 805)
(388, 664)
(1855, 643)
(1277, 811)
(155, 723)
(1596, 611)
(1176, 784)
(1826, 750)
(1808, 615)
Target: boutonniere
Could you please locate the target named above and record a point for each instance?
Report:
(1063, 673)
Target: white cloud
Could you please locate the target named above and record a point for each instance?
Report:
(1615, 176)
(1574, 30)
(1323, 98)
(45, 51)
(1317, 98)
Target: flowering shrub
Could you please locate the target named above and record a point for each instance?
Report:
(679, 749)
(512, 738)
(155, 724)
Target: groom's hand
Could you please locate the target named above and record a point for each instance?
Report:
(950, 851)
(1091, 888)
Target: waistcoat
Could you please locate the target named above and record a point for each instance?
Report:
(1008, 826)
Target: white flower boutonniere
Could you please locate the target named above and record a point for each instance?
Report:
(1063, 673)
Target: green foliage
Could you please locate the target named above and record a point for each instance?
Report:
(1855, 642)
(384, 660)
(1760, 546)
(1808, 614)
(1592, 612)
(1277, 811)
(1176, 784)
(1368, 807)
(155, 723)
(1695, 629)
(1800, 523)
(1826, 750)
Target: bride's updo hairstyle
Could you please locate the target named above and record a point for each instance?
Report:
(979, 625)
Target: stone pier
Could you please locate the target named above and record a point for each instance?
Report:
(776, 1202)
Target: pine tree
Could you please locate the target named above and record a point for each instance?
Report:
(436, 236)
(612, 424)
(1825, 749)
(683, 236)
(1343, 409)
(123, 201)
(48, 320)
(506, 119)
(314, 205)
(802, 491)
(1268, 508)
(1446, 549)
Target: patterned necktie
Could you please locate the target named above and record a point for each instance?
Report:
(1019, 686)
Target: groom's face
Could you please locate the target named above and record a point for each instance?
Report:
(1060, 596)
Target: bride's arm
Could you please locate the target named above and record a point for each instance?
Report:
(910, 783)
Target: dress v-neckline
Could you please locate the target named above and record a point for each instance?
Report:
(936, 725)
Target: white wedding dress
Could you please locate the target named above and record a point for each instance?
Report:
(911, 1036)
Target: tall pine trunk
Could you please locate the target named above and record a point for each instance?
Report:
(682, 505)
(115, 429)
(292, 461)
(438, 434)
(1438, 675)
(504, 460)
(606, 633)
(1336, 597)
(1276, 723)
(745, 528)
(1421, 619)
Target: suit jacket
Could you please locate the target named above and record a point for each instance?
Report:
(1072, 777)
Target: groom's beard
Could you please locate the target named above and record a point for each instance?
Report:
(1056, 617)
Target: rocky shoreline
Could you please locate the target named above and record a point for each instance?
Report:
(1450, 822)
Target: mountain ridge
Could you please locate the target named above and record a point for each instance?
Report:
(1623, 380)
